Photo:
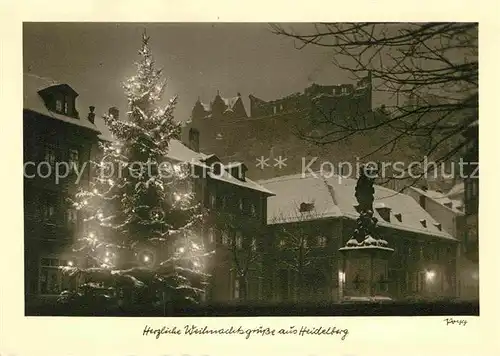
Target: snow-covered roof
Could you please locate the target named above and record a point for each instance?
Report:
(32, 101)
(206, 107)
(447, 200)
(457, 190)
(225, 176)
(180, 152)
(230, 102)
(333, 197)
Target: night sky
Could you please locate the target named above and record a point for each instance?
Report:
(198, 59)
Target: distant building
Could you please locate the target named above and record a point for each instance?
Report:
(224, 126)
(324, 211)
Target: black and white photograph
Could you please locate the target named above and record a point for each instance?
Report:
(250, 169)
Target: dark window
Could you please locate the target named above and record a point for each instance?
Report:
(422, 201)
(50, 155)
(74, 158)
(48, 208)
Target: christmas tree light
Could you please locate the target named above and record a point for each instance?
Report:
(141, 226)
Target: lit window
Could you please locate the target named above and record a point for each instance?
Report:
(225, 238)
(59, 105)
(236, 289)
(211, 235)
(239, 240)
(52, 280)
(74, 158)
(212, 200)
(65, 107)
(254, 244)
(321, 241)
(281, 243)
(304, 242)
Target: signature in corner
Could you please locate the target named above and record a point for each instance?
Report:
(451, 321)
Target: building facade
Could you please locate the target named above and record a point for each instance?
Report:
(57, 142)
(56, 137)
(271, 129)
(312, 218)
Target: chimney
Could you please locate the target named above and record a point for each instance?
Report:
(113, 111)
(91, 115)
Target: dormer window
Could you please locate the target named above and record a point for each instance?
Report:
(237, 170)
(60, 98)
(384, 211)
(59, 105)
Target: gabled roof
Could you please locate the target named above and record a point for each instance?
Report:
(180, 152)
(205, 106)
(333, 197)
(32, 101)
(230, 102)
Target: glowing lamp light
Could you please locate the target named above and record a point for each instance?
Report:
(181, 249)
(118, 151)
(95, 191)
(177, 197)
(70, 263)
(110, 181)
(85, 202)
(429, 275)
(146, 258)
(106, 260)
(341, 277)
(91, 235)
(107, 253)
(196, 264)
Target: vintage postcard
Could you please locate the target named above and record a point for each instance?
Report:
(217, 182)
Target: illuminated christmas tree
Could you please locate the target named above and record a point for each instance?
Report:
(141, 242)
